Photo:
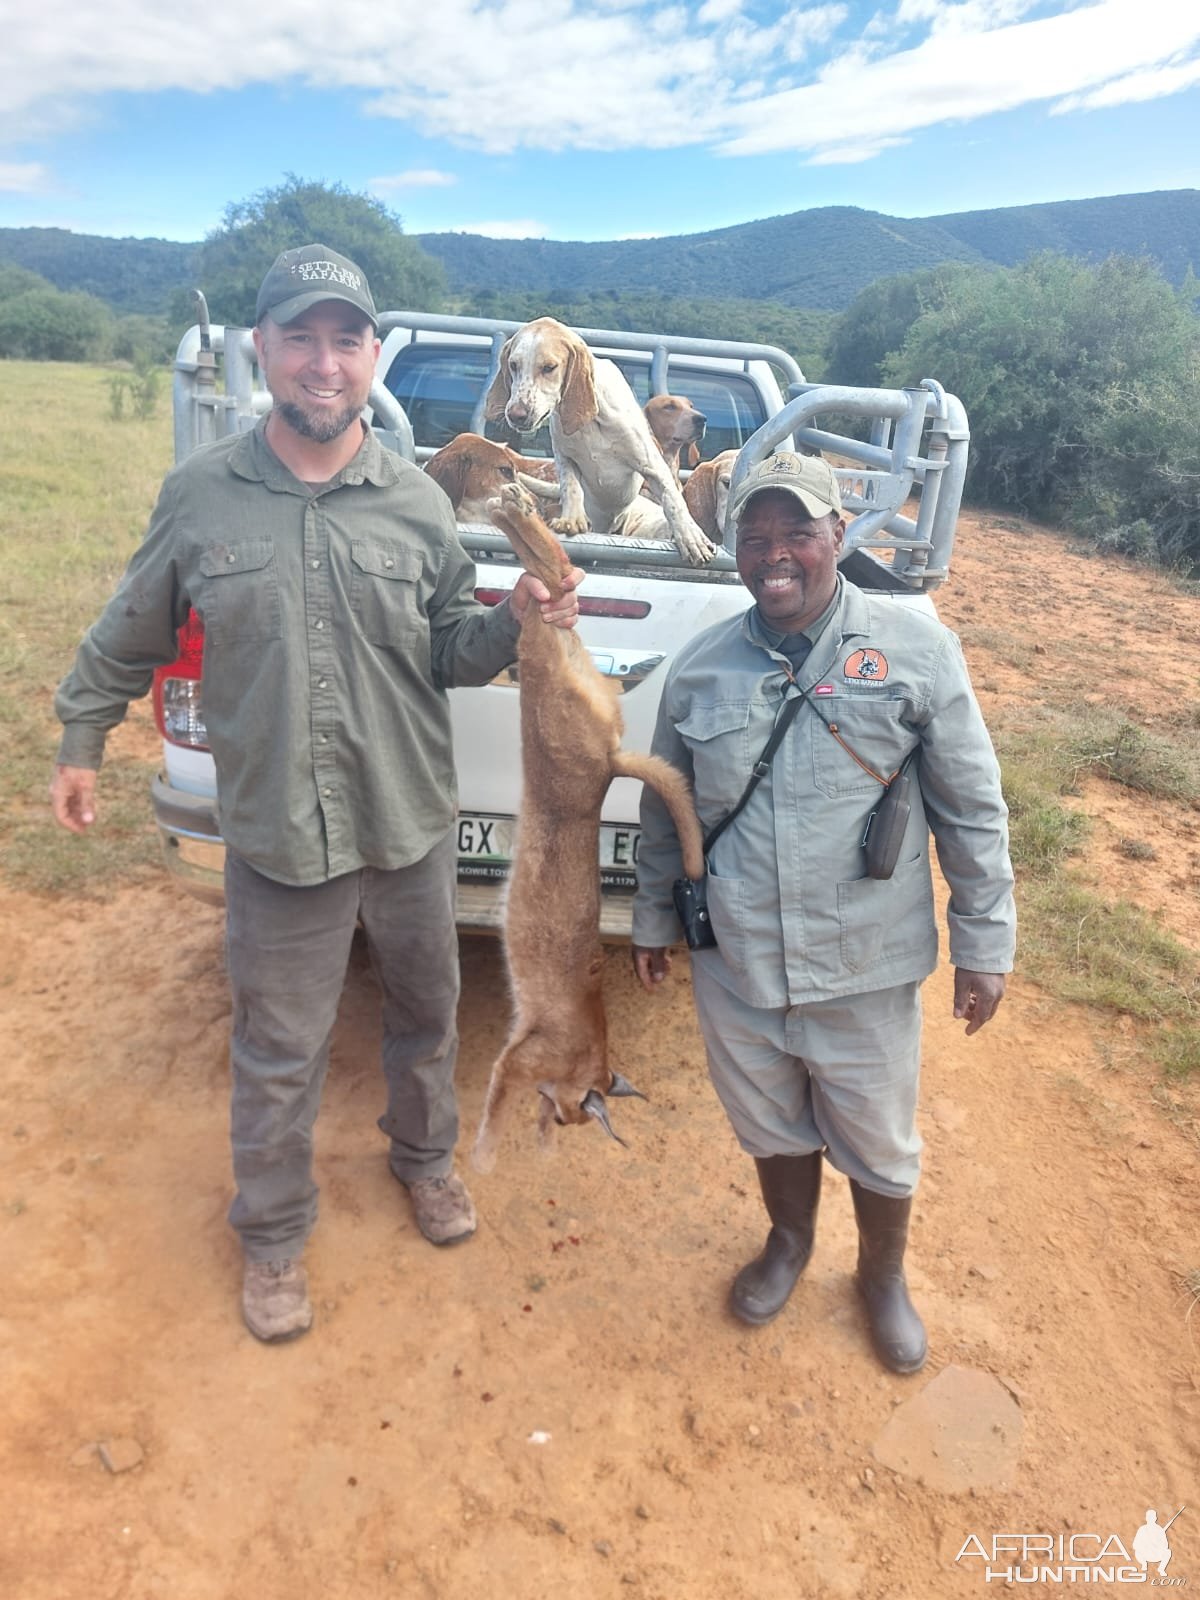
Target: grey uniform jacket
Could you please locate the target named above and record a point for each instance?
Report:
(794, 914)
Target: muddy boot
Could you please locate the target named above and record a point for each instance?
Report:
(791, 1188)
(897, 1332)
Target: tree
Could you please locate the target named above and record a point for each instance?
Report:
(876, 323)
(1082, 384)
(137, 338)
(234, 258)
(16, 280)
(41, 324)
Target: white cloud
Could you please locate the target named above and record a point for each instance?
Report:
(956, 75)
(1151, 84)
(524, 228)
(846, 155)
(24, 177)
(414, 178)
(610, 74)
(965, 16)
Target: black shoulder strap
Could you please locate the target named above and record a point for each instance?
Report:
(761, 767)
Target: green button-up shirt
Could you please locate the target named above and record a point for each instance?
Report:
(335, 620)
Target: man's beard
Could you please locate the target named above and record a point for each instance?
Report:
(322, 427)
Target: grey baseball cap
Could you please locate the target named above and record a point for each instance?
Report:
(300, 279)
(809, 478)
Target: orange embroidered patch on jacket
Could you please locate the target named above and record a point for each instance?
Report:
(867, 666)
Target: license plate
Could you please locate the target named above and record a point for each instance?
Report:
(485, 846)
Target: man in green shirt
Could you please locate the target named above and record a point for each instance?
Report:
(338, 608)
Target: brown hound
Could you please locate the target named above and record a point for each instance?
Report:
(706, 493)
(570, 752)
(675, 423)
(473, 470)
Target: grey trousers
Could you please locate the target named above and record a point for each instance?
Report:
(287, 950)
(835, 1074)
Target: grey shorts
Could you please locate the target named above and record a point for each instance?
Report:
(835, 1074)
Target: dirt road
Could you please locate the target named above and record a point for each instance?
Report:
(563, 1406)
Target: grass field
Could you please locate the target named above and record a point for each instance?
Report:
(76, 488)
(1106, 954)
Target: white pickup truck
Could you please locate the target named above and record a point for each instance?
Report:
(639, 604)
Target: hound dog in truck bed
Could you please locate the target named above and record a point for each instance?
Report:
(677, 427)
(603, 446)
(472, 470)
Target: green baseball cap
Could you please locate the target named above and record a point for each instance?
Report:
(300, 279)
(809, 478)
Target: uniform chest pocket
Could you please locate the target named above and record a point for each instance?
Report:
(385, 594)
(719, 738)
(240, 598)
(873, 730)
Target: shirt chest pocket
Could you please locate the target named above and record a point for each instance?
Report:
(872, 729)
(240, 592)
(719, 739)
(385, 594)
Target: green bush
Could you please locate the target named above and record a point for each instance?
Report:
(135, 393)
(42, 324)
(1082, 385)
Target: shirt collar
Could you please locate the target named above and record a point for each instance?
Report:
(762, 634)
(253, 458)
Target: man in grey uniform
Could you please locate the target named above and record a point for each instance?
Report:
(810, 1002)
(338, 607)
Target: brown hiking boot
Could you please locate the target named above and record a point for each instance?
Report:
(444, 1211)
(275, 1303)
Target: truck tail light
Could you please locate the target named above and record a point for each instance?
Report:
(178, 710)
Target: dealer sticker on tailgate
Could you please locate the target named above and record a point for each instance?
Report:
(485, 846)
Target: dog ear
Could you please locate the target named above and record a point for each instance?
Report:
(577, 402)
(700, 497)
(651, 411)
(500, 392)
(449, 469)
(693, 454)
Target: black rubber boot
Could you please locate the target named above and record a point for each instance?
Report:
(897, 1332)
(791, 1188)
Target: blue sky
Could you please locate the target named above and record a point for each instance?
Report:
(590, 119)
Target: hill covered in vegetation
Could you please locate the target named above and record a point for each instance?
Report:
(815, 260)
(138, 275)
(820, 259)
